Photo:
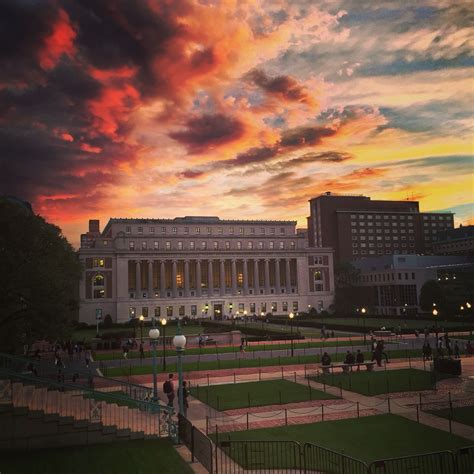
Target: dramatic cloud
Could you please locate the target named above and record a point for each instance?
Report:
(151, 108)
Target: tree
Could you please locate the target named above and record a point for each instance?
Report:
(39, 277)
(431, 292)
(348, 295)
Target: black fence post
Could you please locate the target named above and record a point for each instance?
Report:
(247, 421)
(286, 417)
(358, 410)
(417, 414)
(322, 411)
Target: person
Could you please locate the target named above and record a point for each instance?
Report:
(88, 357)
(201, 341)
(359, 358)
(326, 359)
(185, 397)
(58, 361)
(242, 347)
(168, 389)
(142, 351)
(427, 352)
(125, 351)
(469, 348)
(350, 359)
(457, 355)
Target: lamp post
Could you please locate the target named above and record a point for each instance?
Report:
(231, 315)
(262, 314)
(291, 316)
(179, 342)
(245, 318)
(435, 313)
(154, 335)
(141, 318)
(363, 311)
(163, 325)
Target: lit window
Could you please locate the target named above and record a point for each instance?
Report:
(203, 245)
(239, 245)
(197, 230)
(241, 230)
(271, 244)
(260, 244)
(250, 245)
(282, 245)
(192, 245)
(131, 313)
(168, 245)
(227, 245)
(180, 245)
(156, 245)
(215, 245)
(144, 245)
(101, 262)
(131, 245)
(292, 245)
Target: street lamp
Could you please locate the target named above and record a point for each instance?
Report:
(291, 316)
(435, 313)
(179, 342)
(154, 335)
(141, 318)
(363, 311)
(231, 316)
(163, 325)
(262, 314)
(245, 318)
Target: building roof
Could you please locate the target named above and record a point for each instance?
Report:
(393, 262)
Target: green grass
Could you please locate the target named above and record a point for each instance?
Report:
(375, 383)
(463, 415)
(108, 397)
(367, 438)
(239, 362)
(124, 457)
(135, 354)
(254, 394)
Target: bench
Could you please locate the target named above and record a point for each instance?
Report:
(383, 333)
(346, 368)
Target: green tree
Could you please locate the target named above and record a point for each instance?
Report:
(348, 295)
(39, 278)
(431, 292)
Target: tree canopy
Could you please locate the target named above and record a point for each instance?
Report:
(38, 278)
(432, 294)
(347, 295)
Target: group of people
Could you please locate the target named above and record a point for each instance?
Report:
(169, 391)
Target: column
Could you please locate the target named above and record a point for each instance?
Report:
(174, 274)
(198, 278)
(234, 277)
(256, 277)
(267, 276)
(150, 279)
(186, 278)
(137, 279)
(277, 276)
(246, 277)
(288, 276)
(210, 277)
(162, 279)
(222, 277)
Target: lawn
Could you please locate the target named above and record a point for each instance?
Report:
(245, 361)
(253, 394)
(118, 397)
(123, 457)
(367, 438)
(463, 415)
(383, 381)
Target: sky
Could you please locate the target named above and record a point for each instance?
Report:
(238, 109)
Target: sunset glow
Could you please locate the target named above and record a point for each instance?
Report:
(237, 109)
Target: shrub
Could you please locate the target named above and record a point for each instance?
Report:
(108, 323)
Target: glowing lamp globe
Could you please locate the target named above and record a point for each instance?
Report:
(179, 341)
(154, 334)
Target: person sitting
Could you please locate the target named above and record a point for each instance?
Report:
(359, 358)
(350, 359)
(326, 359)
(469, 348)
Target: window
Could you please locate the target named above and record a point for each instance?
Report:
(128, 229)
(157, 312)
(156, 245)
(181, 310)
(250, 245)
(284, 306)
(252, 307)
(186, 230)
(262, 230)
(292, 245)
(131, 245)
(282, 230)
(152, 230)
(209, 230)
(318, 275)
(193, 310)
(215, 245)
(140, 230)
(282, 245)
(353, 224)
(241, 230)
(271, 244)
(105, 242)
(180, 245)
(239, 245)
(145, 312)
(144, 245)
(174, 230)
(318, 260)
(192, 245)
(252, 230)
(169, 311)
(260, 244)
(272, 231)
(131, 313)
(220, 230)
(295, 306)
(231, 230)
(163, 230)
(227, 245)
(197, 230)
(274, 307)
(168, 245)
(203, 245)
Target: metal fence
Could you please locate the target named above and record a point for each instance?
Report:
(465, 460)
(443, 462)
(319, 459)
(197, 442)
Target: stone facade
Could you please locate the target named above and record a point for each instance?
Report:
(201, 267)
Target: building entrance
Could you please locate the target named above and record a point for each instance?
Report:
(217, 311)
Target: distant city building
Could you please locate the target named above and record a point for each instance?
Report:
(458, 241)
(358, 227)
(392, 283)
(201, 267)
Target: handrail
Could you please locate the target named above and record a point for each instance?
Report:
(152, 406)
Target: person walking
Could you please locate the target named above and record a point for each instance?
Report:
(168, 389)
(88, 357)
(457, 354)
(125, 351)
(185, 397)
(142, 351)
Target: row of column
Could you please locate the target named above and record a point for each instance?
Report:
(178, 283)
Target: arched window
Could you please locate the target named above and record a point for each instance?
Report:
(98, 280)
(318, 275)
(98, 283)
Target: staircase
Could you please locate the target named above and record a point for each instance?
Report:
(37, 412)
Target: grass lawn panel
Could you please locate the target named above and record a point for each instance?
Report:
(378, 382)
(367, 438)
(463, 415)
(108, 397)
(123, 457)
(253, 394)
